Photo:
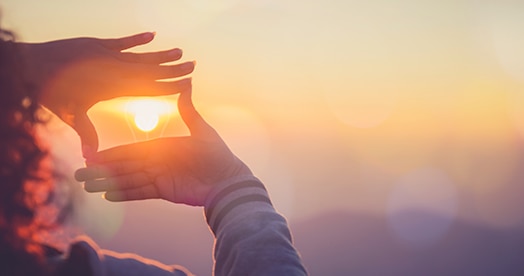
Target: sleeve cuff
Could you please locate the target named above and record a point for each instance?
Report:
(234, 197)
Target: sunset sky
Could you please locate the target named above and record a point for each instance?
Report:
(376, 108)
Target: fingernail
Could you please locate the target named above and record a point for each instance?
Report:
(149, 35)
(175, 53)
(80, 175)
(188, 65)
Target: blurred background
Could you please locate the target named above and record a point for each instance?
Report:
(389, 133)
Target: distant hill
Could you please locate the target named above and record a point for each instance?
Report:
(342, 244)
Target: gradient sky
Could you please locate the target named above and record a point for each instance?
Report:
(369, 107)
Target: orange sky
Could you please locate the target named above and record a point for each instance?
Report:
(336, 105)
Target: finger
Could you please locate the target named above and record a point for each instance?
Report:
(119, 44)
(112, 169)
(153, 88)
(138, 152)
(195, 123)
(151, 58)
(87, 133)
(156, 72)
(145, 192)
(118, 183)
(89, 173)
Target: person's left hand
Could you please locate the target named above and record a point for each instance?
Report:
(74, 74)
(178, 169)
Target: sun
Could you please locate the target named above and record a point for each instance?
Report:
(147, 112)
(146, 121)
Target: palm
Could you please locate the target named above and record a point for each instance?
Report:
(178, 169)
(193, 165)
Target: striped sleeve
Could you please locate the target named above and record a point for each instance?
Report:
(251, 237)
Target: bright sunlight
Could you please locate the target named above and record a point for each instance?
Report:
(147, 112)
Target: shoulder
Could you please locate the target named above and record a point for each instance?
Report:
(85, 253)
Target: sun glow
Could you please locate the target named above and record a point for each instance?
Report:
(147, 112)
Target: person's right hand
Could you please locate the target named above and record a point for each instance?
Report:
(178, 169)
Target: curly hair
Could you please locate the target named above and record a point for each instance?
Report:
(21, 178)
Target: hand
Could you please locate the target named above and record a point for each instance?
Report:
(178, 169)
(74, 74)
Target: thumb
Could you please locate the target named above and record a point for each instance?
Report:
(195, 123)
(88, 137)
